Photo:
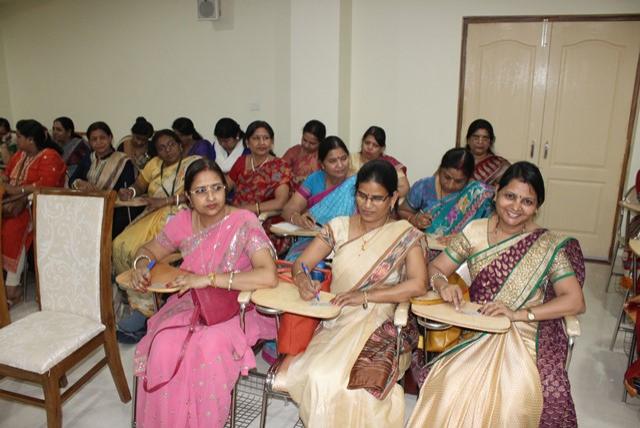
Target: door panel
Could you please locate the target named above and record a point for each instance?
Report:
(504, 83)
(592, 67)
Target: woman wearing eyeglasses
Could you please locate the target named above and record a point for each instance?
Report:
(489, 167)
(346, 376)
(222, 247)
(444, 203)
(162, 181)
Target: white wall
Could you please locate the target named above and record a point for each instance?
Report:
(5, 104)
(114, 60)
(350, 63)
(406, 67)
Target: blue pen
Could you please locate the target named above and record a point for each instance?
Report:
(305, 269)
(151, 264)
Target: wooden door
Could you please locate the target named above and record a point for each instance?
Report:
(505, 74)
(590, 85)
(559, 94)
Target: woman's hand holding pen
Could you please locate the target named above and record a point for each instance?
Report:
(421, 220)
(303, 220)
(141, 277)
(307, 288)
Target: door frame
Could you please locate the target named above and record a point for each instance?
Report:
(557, 18)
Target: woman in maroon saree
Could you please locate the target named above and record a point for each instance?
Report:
(530, 275)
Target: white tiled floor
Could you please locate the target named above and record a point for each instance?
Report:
(595, 374)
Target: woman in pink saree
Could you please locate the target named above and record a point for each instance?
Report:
(222, 247)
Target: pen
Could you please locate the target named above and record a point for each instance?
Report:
(151, 264)
(306, 272)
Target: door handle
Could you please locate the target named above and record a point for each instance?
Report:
(546, 149)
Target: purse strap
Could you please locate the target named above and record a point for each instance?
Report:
(192, 326)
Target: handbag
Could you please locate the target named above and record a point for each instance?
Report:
(295, 331)
(211, 306)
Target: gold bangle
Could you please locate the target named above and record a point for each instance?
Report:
(230, 283)
(212, 279)
(365, 305)
(432, 280)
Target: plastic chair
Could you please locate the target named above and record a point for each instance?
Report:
(629, 204)
(73, 282)
(401, 317)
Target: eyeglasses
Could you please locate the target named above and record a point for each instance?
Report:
(170, 145)
(204, 190)
(375, 199)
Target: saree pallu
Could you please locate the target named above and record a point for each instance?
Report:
(317, 379)
(335, 202)
(490, 169)
(199, 395)
(302, 165)
(104, 173)
(516, 378)
(260, 186)
(148, 224)
(45, 169)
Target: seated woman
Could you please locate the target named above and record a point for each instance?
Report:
(7, 145)
(221, 247)
(74, 147)
(137, 145)
(489, 167)
(373, 147)
(106, 169)
(303, 158)
(378, 263)
(162, 180)
(444, 203)
(229, 143)
(192, 141)
(324, 195)
(530, 275)
(260, 180)
(38, 162)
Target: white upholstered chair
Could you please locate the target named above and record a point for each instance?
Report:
(72, 251)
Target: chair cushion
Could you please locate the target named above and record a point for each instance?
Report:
(43, 339)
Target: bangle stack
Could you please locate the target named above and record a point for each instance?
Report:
(432, 280)
(365, 305)
(133, 189)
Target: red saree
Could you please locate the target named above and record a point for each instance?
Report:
(301, 163)
(45, 169)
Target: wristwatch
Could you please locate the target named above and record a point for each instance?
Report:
(530, 315)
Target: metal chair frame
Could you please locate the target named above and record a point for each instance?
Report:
(619, 242)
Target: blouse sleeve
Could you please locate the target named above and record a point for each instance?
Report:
(459, 248)
(255, 237)
(176, 229)
(285, 177)
(560, 267)
(414, 198)
(148, 173)
(237, 169)
(326, 235)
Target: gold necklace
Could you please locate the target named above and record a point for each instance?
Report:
(497, 229)
(253, 167)
(363, 247)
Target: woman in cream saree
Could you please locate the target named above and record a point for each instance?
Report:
(329, 380)
(532, 276)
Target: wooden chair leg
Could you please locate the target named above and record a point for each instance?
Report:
(115, 365)
(52, 401)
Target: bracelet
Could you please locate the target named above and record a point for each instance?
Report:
(365, 305)
(432, 280)
(140, 257)
(212, 279)
(177, 200)
(133, 189)
(258, 208)
(230, 283)
(22, 189)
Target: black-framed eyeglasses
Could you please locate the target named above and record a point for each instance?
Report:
(375, 199)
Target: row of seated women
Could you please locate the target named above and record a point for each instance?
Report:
(519, 270)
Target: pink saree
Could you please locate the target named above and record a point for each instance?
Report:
(199, 394)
